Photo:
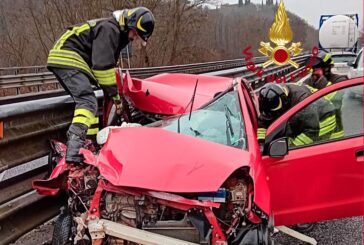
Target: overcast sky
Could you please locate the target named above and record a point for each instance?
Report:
(310, 10)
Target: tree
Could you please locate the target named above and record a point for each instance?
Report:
(185, 31)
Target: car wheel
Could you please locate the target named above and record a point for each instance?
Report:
(254, 235)
(62, 232)
(304, 228)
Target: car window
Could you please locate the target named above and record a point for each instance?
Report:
(338, 115)
(220, 121)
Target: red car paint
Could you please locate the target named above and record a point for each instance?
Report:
(309, 184)
(312, 184)
(169, 94)
(257, 171)
(319, 182)
(156, 159)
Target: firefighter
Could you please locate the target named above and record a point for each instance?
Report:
(322, 77)
(86, 55)
(315, 122)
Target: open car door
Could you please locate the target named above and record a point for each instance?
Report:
(321, 180)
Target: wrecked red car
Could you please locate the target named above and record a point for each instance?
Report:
(201, 177)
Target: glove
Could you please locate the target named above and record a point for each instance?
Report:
(320, 83)
(317, 74)
(118, 105)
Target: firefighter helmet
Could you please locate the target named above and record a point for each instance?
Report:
(323, 60)
(273, 100)
(140, 19)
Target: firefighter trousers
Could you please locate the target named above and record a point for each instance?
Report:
(85, 121)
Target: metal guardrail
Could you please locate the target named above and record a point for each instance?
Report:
(9, 71)
(21, 70)
(28, 126)
(42, 80)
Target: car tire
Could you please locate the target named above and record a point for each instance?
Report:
(304, 228)
(62, 231)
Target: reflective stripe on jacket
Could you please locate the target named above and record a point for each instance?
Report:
(92, 48)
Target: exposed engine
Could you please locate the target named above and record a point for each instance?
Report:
(235, 215)
(83, 183)
(146, 213)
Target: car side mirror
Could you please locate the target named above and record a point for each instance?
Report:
(278, 148)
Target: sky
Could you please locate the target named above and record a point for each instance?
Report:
(311, 10)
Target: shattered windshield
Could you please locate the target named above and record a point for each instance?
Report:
(220, 121)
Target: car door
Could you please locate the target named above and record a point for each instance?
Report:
(324, 179)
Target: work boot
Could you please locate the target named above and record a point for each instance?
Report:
(74, 144)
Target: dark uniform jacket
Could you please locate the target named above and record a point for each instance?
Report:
(310, 123)
(296, 94)
(92, 48)
(335, 98)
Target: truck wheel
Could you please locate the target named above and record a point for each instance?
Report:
(62, 230)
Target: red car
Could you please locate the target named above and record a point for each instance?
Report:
(200, 177)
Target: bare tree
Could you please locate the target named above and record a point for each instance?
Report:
(185, 31)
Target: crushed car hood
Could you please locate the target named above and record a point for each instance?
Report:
(169, 94)
(160, 160)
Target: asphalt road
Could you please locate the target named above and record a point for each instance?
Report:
(336, 232)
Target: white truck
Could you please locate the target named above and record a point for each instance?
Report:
(339, 35)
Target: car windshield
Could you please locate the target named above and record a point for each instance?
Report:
(343, 58)
(220, 121)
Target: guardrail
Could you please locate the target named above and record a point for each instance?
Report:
(14, 71)
(43, 81)
(23, 155)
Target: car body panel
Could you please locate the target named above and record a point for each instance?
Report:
(261, 189)
(121, 162)
(160, 160)
(170, 93)
(309, 184)
(310, 99)
(316, 182)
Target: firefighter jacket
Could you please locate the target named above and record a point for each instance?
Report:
(92, 48)
(313, 123)
(295, 95)
(335, 98)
